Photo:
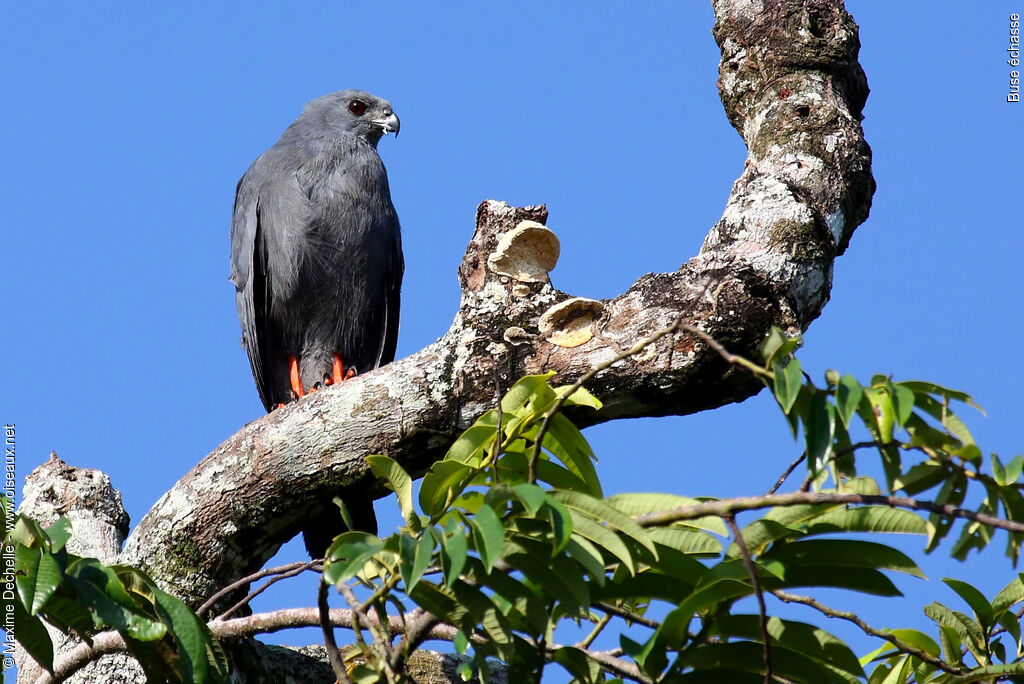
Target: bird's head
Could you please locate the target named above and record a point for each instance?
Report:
(357, 112)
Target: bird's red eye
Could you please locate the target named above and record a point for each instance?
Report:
(357, 107)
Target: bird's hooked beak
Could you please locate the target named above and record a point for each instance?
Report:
(389, 124)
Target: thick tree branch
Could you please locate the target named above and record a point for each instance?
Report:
(792, 87)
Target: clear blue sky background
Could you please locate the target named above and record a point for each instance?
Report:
(127, 127)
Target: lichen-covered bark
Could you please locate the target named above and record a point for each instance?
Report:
(792, 87)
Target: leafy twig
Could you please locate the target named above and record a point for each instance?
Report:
(867, 629)
(333, 654)
(724, 507)
(762, 609)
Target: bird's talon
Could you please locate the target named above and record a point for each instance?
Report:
(338, 372)
(296, 380)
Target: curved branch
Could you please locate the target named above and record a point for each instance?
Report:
(792, 87)
(786, 597)
(251, 625)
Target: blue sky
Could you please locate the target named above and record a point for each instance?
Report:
(127, 127)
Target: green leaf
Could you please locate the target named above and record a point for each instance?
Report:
(387, 469)
(564, 440)
(1012, 625)
(967, 631)
(531, 496)
(673, 628)
(461, 642)
(488, 535)
(777, 345)
(559, 578)
(975, 599)
(1009, 595)
(588, 557)
(561, 524)
(863, 580)
(529, 389)
(469, 448)
(946, 418)
(578, 664)
(951, 645)
(39, 575)
(920, 387)
(102, 592)
(849, 553)
(685, 541)
(415, 555)
(759, 534)
(903, 403)
(952, 492)
(514, 465)
(641, 503)
(848, 395)
(809, 640)
(190, 634)
(918, 640)
(921, 477)
(604, 538)
(726, 662)
(440, 485)
(454, 547)
(599, 510)
(1013, 469)
(788, 381)
(481, 609)
(819, 431)
(581, 397)
(868, 519)
(348, 554)
(32, 636)
(59, 533)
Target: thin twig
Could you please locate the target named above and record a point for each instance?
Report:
(598, 626)
(762, 609)
(250, 579)
(380, 643)
(627, 615)
(734, 359)
(299, 569)
(789, 471)
(419, 624)
(333, 654)
(867, 629)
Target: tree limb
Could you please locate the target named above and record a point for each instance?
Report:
(792, 87)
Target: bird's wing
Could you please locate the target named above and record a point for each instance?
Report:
(393, 296)
(262, 268)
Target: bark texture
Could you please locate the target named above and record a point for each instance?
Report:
(791, 86)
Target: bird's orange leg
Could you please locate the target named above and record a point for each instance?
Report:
(338, 373)
(293, 369)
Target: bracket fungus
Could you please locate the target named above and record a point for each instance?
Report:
(570, 323)
(526, 253)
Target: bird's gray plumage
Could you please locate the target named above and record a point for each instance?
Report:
(316, 251)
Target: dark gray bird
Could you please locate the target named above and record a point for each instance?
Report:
(316, 259)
